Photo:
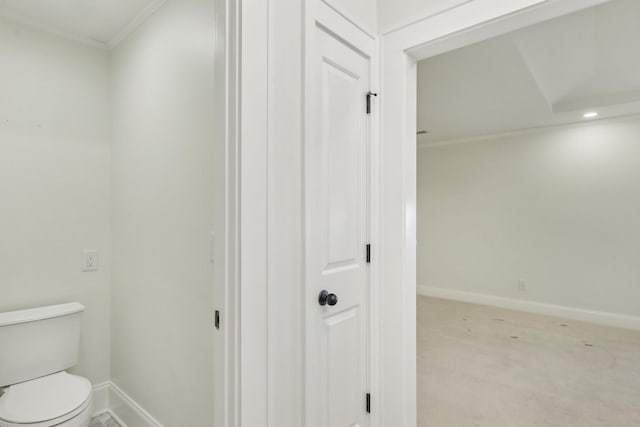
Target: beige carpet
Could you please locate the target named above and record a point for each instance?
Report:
(484, 366)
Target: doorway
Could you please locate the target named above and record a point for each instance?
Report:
(526, 161)
(463, 25)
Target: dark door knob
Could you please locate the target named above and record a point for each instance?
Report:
(326, 298)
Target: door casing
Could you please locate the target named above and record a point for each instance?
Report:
(468, 23)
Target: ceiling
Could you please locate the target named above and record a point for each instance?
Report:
(548, 74)
(98, 21)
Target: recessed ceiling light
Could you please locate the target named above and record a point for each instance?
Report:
(590, 115)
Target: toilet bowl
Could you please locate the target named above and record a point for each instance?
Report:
(38, 345)
(61, 400)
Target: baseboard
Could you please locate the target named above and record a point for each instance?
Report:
(583, 315)
(128, 410)
(101, 398)
(108, 397)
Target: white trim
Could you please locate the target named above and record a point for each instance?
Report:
(253, 214)
(285, 215)
(101, 398)
(226, 295)
(574, 313)
(463, 25)
(397, 203)
(375, 312)
(51, 29)
(335, 22)
(401, 25)
(133, 25)
(120, 36)
(527, 131)
(484, 19)
(354, 21)
(128, 410)
(108, 397)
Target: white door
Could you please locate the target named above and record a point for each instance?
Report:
(336, 191)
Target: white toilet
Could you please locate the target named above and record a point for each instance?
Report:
(36, 346)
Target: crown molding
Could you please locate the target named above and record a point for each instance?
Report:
(22, 19)
(133, 25)
(526, 131)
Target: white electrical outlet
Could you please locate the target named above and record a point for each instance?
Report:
(522, 285)
(89, 260)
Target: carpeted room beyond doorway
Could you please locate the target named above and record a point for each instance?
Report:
(485, 366)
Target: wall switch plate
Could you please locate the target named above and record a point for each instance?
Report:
(89, 260)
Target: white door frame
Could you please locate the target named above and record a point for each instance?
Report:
(226, 397)
(241, 395)
(468, 23)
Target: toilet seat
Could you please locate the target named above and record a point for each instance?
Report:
(45, 401)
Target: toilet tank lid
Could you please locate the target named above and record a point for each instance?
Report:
(40, 313)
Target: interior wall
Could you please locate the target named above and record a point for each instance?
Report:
(363, 13)
(163, 192)
(393, 14)
(54, 181)
(285, 212)
(555, 208)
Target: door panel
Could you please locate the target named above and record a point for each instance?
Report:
(345, 400)
(341, 160)
(336, 234)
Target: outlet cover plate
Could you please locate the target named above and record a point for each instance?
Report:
(89, 260)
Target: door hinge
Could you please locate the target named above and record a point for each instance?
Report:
(368, 252)
(368, 403)
(369, 95)
(217, 319)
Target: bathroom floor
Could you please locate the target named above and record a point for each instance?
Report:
(104, 420)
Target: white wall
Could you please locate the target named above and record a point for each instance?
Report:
(163, 181)
(54, 180)
(363, 13)
(557, 208)
(393, 14)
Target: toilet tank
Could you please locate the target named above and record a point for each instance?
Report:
(38, 342)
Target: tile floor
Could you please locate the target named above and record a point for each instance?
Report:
(483, 366)
(104, 420)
